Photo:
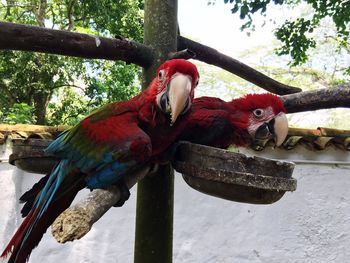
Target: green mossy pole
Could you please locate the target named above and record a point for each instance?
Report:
(155, 195)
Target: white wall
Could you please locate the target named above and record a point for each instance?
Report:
(311, 224)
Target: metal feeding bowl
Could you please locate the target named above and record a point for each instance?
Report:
(233, 176)
(28, 155)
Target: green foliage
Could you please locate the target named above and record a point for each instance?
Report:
(19, 113)
(112, 17)
(35, 79)
(296, 42)
(28, 77)
(116, 82)
(296, 34)
(69, 107)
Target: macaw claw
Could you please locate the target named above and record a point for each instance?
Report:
(124, 193)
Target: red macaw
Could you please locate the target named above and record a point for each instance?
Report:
(214, 122)
(101, 149)
(238, 122)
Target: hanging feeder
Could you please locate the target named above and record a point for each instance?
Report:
(233, 176)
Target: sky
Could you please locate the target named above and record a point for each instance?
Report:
(216, 26)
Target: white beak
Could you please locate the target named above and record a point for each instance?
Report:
(179, 94)
(281, 128)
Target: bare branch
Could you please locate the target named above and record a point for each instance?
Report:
(76, 221)
(184, 54)
(338, 96)
(30, 38)
(213, 57)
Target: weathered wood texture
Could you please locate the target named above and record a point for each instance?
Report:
(26, 131)
(213, 57)
(233, 176)
(338, 96)
(28, 128)
(77, 220)
(29, 155)
(31, 38)
(184, 54)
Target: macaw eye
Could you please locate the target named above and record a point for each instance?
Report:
(258, 113)
(161, 74)
(197, 82)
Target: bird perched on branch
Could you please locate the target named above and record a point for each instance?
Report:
(102, 149)
(238, 122)
(214, 122)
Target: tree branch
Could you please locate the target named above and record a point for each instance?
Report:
(39, 12)
(184, 54)
(213, 57)
(76, 221)
(30, 38)
(70, 15)
(338, 96)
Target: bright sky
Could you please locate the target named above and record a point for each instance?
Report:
(217, 27)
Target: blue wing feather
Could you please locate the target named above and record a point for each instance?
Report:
(103, 163)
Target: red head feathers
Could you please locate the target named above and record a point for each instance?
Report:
(173, 86)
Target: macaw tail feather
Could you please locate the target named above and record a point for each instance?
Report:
(55, 196)
(28, 198)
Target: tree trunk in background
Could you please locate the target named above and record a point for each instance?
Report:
(155, 195)
(41, 101)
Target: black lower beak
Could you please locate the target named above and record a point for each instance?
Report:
(265, 131)
(164, 101)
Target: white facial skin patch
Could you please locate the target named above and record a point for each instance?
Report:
(256, 122)
(280, 125)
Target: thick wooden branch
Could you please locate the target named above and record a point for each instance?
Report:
(213, 57)
(76, 221)
(31, 38)
(184, 54)
(338, 96)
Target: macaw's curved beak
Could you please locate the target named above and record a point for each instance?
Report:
(276, 129)
(178, 95)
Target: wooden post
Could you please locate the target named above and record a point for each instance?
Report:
(155, 195)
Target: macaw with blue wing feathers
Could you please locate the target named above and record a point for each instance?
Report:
(104, 147)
